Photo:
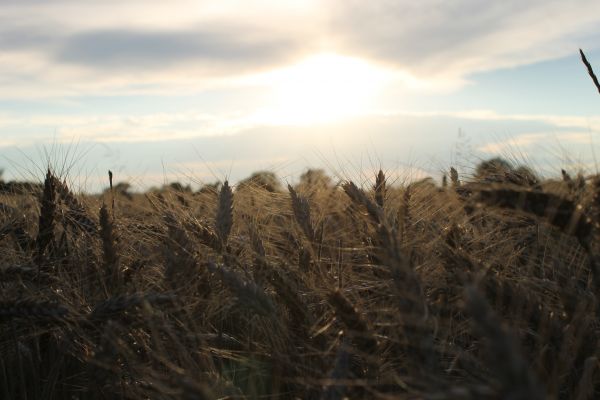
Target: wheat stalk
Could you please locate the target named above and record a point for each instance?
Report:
(180, 261)
(112, 268)
(205, 234)
(590, 70)
(454, 177)
(359, 197)
(77, 211)
(246, 291)
(354, 322)
(586, 385)
(224, 217)
(126, 302)
(509, 366)
(46, 220)
(44, 310)
(301, 208)
(380, 189)
(559, 212)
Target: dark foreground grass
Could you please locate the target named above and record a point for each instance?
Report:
(467, 291)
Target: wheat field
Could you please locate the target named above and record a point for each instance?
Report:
(483, 287)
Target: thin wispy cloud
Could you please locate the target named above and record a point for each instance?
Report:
(170, 126)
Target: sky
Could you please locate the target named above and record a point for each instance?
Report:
(199, 91)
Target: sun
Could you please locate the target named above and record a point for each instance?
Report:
(322, 88)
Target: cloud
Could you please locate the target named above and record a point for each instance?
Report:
(458, 38)
(46, 48)
(585, 123)
(160, 126)
(239, 48)
(9, 142)
(142, 145)
(577, 137)
(19, 38)
(518, 143)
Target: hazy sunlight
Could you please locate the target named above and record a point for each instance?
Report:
(322, 88)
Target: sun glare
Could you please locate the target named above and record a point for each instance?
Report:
(322, 88)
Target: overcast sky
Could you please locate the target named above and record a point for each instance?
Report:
(204, 90)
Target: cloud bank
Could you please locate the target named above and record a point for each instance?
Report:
(139, 43)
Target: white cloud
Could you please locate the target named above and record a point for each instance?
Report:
(455, 39)
(527, 141)
(520, 142)
(577, 137)
(587, 123)
(140, 128)
(48, 49)
(184, 125)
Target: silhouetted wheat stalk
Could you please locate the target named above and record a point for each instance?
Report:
(380, 188)
(301, 208)
(590, 70)
(359, 197)
(454, 177)
(45, 310)
(356, 325)
(585, 387)
(559, 212)
(181, 267)
(508, 364)
(25, 273)
(78, 216)
(246, 291)
(205, 234)
(224, 217)
(46, 220)
(112, 269)
(127, 302)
